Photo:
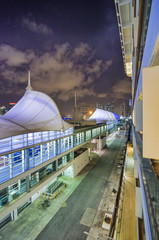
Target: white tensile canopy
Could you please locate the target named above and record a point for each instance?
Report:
(34, 112)
(100, 115)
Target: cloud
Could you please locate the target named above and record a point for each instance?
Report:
(80, 93)
(13, 57)
(108, 63)
(102, 95)
(82, 49)
(61, 51)
(37, 28)
(58, 72)
(122, 88)
(98, 66)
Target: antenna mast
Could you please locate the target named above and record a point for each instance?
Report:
(29, 78)
(29, 85)
(75, 99)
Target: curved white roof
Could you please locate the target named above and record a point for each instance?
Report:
(34, 112)
(100, 115)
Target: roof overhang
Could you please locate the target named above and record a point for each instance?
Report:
(124, 17)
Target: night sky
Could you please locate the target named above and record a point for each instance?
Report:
(68, 46)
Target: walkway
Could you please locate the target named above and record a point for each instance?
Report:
(129, 220)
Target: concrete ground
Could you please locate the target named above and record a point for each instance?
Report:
(79, 211)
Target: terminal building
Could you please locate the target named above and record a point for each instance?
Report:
(37, 146)
(138, 23)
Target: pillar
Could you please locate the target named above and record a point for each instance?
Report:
(27, 158)
(136, 175)
(10, 165)
(23, 168)
(27, 184)
(14, 214)
(100, 143)
(138, 209)
(56, 165)
(139, 116)
(90, 152)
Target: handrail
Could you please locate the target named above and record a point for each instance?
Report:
(148, 181)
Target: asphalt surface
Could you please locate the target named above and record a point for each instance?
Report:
(65, 225)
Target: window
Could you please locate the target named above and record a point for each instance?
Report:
(45, 154)
(48, 169)
(54, 166)
(60, 162)
(37, 137)
(30, 139)
(52, 149)
(17, 164)
(31, 157)
(34, 178)
(37, 155)
(17, 142)
(3, 197)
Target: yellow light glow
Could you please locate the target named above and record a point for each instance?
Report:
(129, 68)
(90, 112)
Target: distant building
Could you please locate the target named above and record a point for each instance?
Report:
(110, 107)
(122, 110)
(100, 106)
(11, 104)
(127, 107)
(2, 110)
(82, 112)
(63, 115)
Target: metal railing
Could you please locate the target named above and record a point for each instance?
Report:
(51, 196)
(150, 188)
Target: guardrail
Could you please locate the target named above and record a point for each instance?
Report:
(117, 214)
(149, 190)
(119, 211)
(51, 196)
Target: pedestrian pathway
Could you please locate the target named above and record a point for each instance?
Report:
(107, 203)
(129, 221)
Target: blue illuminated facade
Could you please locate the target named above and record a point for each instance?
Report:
(21, 153)
(52, 144)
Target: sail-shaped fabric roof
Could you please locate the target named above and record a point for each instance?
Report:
(101, 115)
(116, 116)
(34, 112)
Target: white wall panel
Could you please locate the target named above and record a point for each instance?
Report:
(138, 209)
(138, 116)
(80, 162)
(69, 172)
(151, 112)
(135, 22)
